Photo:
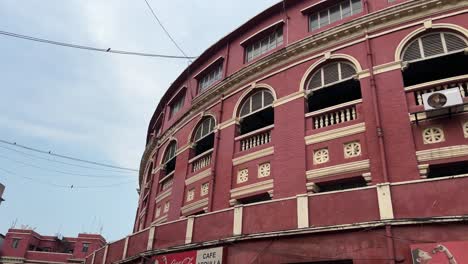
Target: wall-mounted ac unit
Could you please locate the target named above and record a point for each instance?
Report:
(442, 99)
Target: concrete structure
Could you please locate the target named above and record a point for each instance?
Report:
(27, 246)
(301, 137)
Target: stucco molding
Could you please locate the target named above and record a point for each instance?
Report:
(253, 156)
(194, 206)
(386, 67)
(335, 133)
(289, 98)
(160, 220)
(228, 123)
(384, 199)
(338, 169)
(237, 221)
(302, 202)
(197, 177)
(252, 188)
(163, 195)
(189, 230)
(442, 153)
(151, 236)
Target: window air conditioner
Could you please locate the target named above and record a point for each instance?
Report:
(442, 99)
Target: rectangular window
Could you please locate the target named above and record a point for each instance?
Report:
(176, 105)
(334, 13)
(344, 184)
(210, 77)
(85, 247)
(15, 242)
(264, 45)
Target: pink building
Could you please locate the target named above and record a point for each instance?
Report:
(317, 132)
(27, 246)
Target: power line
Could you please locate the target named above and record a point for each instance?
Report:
(67, 157)
(57, 171)
(165, 30)
(72, 186)
(108, 50)
(61, 162)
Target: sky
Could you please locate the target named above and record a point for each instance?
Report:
(91, 105)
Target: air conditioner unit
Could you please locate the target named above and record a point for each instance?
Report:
(442, 99)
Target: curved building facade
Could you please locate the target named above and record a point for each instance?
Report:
(317, 132)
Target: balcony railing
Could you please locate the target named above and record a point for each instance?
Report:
(201, 161)
(460, 82)
(335, 115)
(256, 138)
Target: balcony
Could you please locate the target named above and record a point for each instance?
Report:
(334, 115)
(414, 93)
(254, 139)
(201, 161)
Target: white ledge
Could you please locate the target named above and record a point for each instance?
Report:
(258, 131)
(335, 107)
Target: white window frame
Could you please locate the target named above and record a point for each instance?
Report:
(322, 77)
(317, 14)
(210, 77)
(249, 101)
(255, 49)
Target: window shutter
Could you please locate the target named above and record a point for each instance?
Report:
(432, 45)
(413, 52)
(268, 100)
(454, 43)
(330, 73)
(347, 71)
(316, 80)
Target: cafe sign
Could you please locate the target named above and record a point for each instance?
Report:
(205, 256)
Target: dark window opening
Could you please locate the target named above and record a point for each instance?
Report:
(204, 144)
(334, 95)
(15, 243)
(344, 184)
(255, 199)
(327, 262)
(169, 167)
(260, 119)
(85, 247)
(448, 169)
(32, 248)
(435, 69)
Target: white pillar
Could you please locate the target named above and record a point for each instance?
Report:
(237, 228)
(189, 231)
(124, 255)
(151, 238)
(104, 258)
(302, 211)
(385, 201)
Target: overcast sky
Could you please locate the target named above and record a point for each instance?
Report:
(90, 105)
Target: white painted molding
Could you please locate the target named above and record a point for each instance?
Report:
(189, 230)
(193, 206)
(302, 211)
(104, 258)
(199, 176)
(92, 259)
(289, 98)
(384, 197)
(339, 169)
(164, 195)
(125, 250)
(442, 153)
(237, 227)
(151, 238)
(253, 156)
(252, 188)
(335, 133)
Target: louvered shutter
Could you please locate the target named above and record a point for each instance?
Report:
(316, 80)
(347, 70)
(432, 45)
(413, 52)
(454, 43)
(330, 73)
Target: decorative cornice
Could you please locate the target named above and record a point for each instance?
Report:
(253, 156)
(335, 133)
(357, 166)
(199, 176)
(442, 153)
(289, 98)
(194, 206)
(228, 123)
(252, 188)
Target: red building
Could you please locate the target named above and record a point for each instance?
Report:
(317, 132)
(27, 246)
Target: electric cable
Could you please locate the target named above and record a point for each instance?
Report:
(67, 157)
(58, 171)
(167, 32)
(71, 186)
(61, 162)
(108, 50)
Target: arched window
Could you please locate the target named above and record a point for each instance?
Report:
(333, 84)
(434, 56)
(149, 173)
(256, 111)
(204, 135)
(169, 159)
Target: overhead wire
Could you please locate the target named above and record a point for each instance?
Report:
(83, 47)
(60, 162)
(66, 157)
(166, 31)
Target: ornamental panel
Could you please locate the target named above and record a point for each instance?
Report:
(264, 170)
(158, 211)
(166, 207)
(465, 129)
(190, 195)
(321, 156)
(204, 189)
(352, 149)
(433, 135)
(242, 175)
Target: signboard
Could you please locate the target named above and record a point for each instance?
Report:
(205, 256)
(455, 252)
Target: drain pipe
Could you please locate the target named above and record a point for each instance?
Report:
(215, 155)
(380, 135)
